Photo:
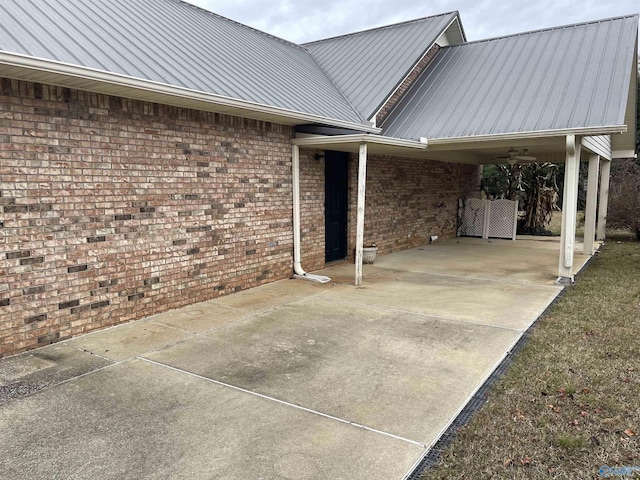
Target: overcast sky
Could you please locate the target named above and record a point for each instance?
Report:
(306, 20)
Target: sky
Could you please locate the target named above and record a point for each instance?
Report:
(306, 20)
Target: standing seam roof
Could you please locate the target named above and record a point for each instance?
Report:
(367, 66)
(565, 77)
(176, 43)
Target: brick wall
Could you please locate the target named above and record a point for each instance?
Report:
(114, 209)
(407, 200)
(312, 192)
(407, 82)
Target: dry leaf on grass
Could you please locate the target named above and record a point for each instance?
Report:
(526, 461)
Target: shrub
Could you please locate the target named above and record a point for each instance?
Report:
(624, 196)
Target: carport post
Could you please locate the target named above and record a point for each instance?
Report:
(362, 180)
(569, 210)
(590, 209)
(605, 173)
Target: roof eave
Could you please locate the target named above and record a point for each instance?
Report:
(360, 138)
(40, 70)
(581, 131)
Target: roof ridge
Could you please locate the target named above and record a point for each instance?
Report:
(548, 29)
(209, 12)
(383, 27)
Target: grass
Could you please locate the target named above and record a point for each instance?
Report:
(570, 402)
(555, 225)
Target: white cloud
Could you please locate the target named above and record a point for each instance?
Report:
(306, 20)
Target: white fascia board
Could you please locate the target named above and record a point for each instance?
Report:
(623, 154)
(604, 130)
(133, 84)
(359, 138)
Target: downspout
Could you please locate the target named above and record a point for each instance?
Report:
(298, 271)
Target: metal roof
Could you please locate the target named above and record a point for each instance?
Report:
(174, 43)
(367, 66)
(567, 77)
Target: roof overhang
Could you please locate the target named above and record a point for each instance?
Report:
(537, 134)
(377, 144)
(50, 72)
(624, 145)
(547, 146)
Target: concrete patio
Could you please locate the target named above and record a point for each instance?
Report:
(292, 380)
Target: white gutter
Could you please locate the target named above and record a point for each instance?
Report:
(358, 139)
(297, 263)
(66, 70)
(603, 130)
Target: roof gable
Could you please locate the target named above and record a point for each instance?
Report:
(566, 77)
(367, 66)
(175, 43)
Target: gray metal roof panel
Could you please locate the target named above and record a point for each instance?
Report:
(566, 77)
(173, 42)
(367, 66)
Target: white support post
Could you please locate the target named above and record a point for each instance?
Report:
(515, 221)
(362, 180)
(569, 210)
(487, 219)
(605, 172)
(590, 208)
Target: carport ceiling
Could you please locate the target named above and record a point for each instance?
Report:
(546, 149)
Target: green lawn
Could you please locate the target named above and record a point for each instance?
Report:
(570, 402)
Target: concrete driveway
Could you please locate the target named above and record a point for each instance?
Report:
(292, 380)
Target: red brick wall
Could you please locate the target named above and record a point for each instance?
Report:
(407, 200)
(115, 209)
(312, 192)
(404, 86)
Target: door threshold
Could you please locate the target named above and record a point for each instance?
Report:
(333, 263)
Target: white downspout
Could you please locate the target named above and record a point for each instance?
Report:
(297, 263)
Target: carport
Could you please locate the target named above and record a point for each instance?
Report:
(570, 147)
(294, 379)
(562, 95)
